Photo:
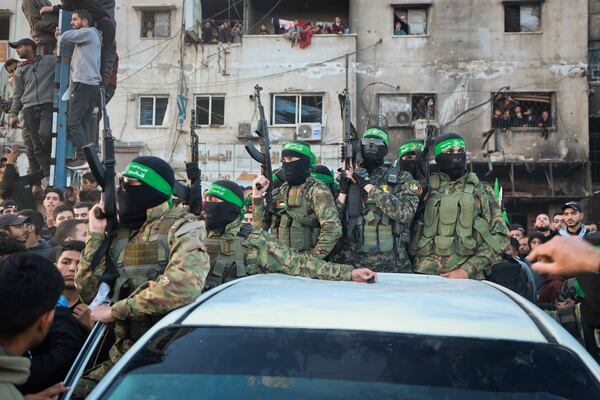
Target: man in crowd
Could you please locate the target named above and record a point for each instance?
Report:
(380, 237)
(524, 248)
(253, 250)
(34, 94)
(306, 218)
(517, 231)
(463, 231)
(85, 79)
(166, 279)
(53, 197)
(67, 258)
(30, 287)
(558, 221)
(89, 189)
(34, 224)
(82, 210)
(573, 220)
(18, 188)
(72, 229)
(42, 26)
(9, 207)
(514, 274)
(542, 224)
(62, 213)
(14, 226)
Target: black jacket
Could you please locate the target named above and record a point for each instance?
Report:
(18, 188)
(52, 359)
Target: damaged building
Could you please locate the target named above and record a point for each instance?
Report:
(511, 76)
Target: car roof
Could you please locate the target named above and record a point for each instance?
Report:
(398, 303)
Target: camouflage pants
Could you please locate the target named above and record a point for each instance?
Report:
(378, 262)
(91, 378)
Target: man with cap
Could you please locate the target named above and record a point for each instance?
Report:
(14, 226)
(158, 252)
(380, 236)
(34, 95)
(238, 250)
(305, 216)
(463, 232)
(517, 231)
(573, 220)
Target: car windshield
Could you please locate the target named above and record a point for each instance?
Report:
(266, 363)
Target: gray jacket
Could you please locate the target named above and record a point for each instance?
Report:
(14, 370)
(42, 26)
(85, 63)
(34, 84)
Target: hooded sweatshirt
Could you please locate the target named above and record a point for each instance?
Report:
(14, 370)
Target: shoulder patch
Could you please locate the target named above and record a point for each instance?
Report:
(415, 187)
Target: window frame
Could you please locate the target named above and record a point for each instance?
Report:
(153, 97)
(298, 108)
(158, 9)
(412, 6)
(410, 98)
(520, 3)
(210, 106)
(553, 112)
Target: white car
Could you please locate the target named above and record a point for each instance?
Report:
(405, 337)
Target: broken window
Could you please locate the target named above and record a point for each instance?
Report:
(403, 109)
(410, 20)
(156, 23)
(524, 110)
(153, 110)
(210, 110)
(522, 17)
(295, 109)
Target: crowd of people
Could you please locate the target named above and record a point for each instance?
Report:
(29, 94)
(227, 31)
(509, 113)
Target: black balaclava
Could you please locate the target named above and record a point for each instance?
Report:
(296, 172)
(134, 202)
(218, 215)
(373, 155)
(453, 165)
(409, 166)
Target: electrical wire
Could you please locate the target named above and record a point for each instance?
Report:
(265, 16)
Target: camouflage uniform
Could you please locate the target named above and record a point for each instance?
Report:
(462, 227)
(306, 218)
(242, 250)
(185, 265)
(382, 236)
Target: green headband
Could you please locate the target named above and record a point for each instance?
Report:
(300, 148)
(328, 179)
(453, 143)
(377, 133)
(148, 176)
(225, 194)
(409, 147)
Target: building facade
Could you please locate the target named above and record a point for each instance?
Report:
(513, 71)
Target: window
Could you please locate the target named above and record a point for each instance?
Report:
(404, 109)
(594, 62)
(156, 23)
(153, 110)
(532, 110)
(4, 27)
(522, 17)
(295, 109)
(410, 20)
(210, 110)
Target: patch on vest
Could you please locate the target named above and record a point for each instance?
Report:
(415, 187)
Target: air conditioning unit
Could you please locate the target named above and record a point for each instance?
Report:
(246, 129)
(309, 132)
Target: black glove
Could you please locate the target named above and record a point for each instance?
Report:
(361, 176)
(344, 182)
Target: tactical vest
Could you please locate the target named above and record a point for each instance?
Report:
(377, 232)
(449, 222)
(227, 261)
(139, 261)
(296, 225)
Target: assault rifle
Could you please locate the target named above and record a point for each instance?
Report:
(352, 158)
(423, 156)
(263, 156)
(192, 195)
(104, 172)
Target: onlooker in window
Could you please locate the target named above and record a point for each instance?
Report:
(16, 188)
(497, 119)
(41, 26)
(529, 118)
(557, 221)
(225, 32)
(545, 121)
(149, 29)
(63, 213)
(318, 29)
(85, 79)
(35, 243)
(263, 30)
(305, 36)
(30, 288)
(82, 210)
(236, 33)
(338, 27)
(293, 33)
(72, 229)
(398, 31)
(34, 94)
(506, 119)
(518, 120)
(53, 197)
(207, 32)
